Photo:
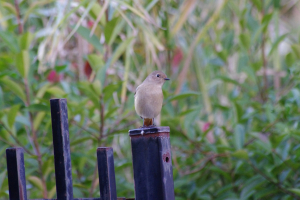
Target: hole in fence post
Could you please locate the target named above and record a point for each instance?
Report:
(152, 164)
(16, 174)
(61, 146)
(167, 159)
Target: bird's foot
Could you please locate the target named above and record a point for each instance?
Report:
(151, 126)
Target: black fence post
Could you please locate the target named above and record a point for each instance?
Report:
(16, 174)
(152, 163)
(61, 144)
(106, 171)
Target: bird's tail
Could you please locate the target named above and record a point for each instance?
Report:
(148, 122)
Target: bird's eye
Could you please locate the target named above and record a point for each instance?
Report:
(157, 75)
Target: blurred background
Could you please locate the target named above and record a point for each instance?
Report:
(232, 104)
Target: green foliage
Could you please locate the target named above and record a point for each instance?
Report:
(232, 103)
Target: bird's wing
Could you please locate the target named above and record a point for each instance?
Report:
(136, 90)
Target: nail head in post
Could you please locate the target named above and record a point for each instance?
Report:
(150, 131)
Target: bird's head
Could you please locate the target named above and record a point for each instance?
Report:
(157, 78)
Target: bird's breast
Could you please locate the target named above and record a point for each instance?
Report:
(148, 101)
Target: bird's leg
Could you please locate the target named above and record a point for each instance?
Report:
(147, 122)
(152, 124)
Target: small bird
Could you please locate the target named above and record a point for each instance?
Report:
(148, 97)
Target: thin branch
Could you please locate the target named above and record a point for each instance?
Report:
(102, 120)
(35, 140)
(89, 132)
(263, 55)
(182, 76)
(205, 162)
(16, 139)
(104, 8)
(20, 25)
(94, 182)
(263, 131)
(278, 185)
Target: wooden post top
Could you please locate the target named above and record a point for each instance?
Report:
(150, 131)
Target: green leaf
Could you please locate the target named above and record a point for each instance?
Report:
(238, 112)
(121, 49)
(265, 193)
(10, 7)
(270, 113)
(101, 75)
(241, 153)
(96, 61)
(25, 40)
(38, 107)
(110, 112)
(197, 108)
(256, 65)
(47, 167)
(85, 33)
(110, 89)
(34, 5)
(56, 91)
(2, 177)
(116, 31)
(94, 12)
(250, 185)
(80, 140)
(229, 80)
(154, 40)
(109, 28)
(52, 192)
(23, 63)
(245, 40)
(10, 40)
(290, 59)
(239, 136)
(11, 116)
(276, 43)
(42, 90)
(96, 85)
(87, 89)
(134, 10)
(257, 3)
(295, 190)
(267, 18)
(37, 182)
(296, 50)
(14, 87)
(38, 119)
(184, 95)
(61, 68)
(151, 4)
(276, 4)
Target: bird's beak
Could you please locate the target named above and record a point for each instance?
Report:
(167, 79)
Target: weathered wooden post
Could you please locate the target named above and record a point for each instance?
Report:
(152, 163)
(61, 146)
(16, 174)
(106, 171)
(62, 158)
